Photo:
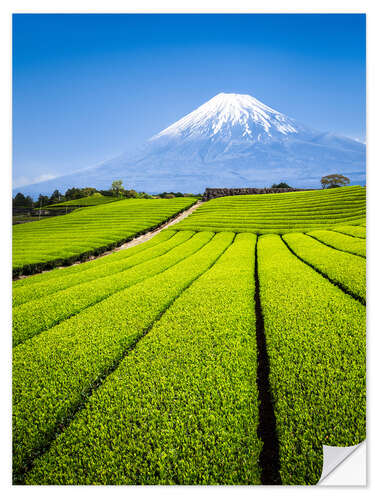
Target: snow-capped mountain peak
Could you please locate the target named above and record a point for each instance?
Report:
(232, 140)
(232, 116)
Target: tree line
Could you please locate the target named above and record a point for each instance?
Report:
(327, 182)
(117, 190)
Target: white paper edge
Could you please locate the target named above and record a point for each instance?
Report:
(355, 469)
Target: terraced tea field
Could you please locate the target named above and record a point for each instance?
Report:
(280, 213)
(198, 357)
(87, 231)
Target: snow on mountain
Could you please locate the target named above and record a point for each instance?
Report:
(232, 140)
(231, 116)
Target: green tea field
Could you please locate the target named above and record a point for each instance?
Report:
(89, 201)
(280, 213)
(227, 349)
(87, 231)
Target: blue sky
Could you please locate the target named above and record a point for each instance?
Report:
(88, 87)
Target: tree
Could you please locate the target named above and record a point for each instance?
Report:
(22, 202)
(144, 195)
(19, 200)
(42, 201)
(131, 193)
(106, 192)
(281, 185)
(73, 193)
(55, 196)
(88, 191)
(334, 180)
(29, 202)
(166, 195)
(117, 188)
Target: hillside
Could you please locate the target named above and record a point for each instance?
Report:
(280, 213)
(151, 364)
(87, 231)
(87, 201)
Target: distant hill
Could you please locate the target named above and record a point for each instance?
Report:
(87, 201)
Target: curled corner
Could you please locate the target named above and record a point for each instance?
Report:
(333, 456)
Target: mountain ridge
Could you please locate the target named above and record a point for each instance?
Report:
(232, 140)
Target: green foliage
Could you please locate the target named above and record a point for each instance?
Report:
(317, 348)
(281, 185)
(88, 201)
(279, 213)
(345, 269)
(22, 201)
(91, 286)
(42, 201)
(53, 371)
(19, 200)
(357, 231)
(334, 181)
(141, 367)
(117, 188)
(89, 191)
(56, 197)
(87, 231)
(343, 242)
(43, 284)
(175, 195)
(73, 193)
(144, 195)
(182, 407)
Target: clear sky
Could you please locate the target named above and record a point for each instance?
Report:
(87, 87)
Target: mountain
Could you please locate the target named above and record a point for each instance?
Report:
(232, 140)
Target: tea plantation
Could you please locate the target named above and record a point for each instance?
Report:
(87, 231)
(280, 213)
(88, 201)
(225, 350)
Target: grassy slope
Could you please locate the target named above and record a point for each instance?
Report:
(87, 201)
(297, 303)
(87, 231)
(280, 213)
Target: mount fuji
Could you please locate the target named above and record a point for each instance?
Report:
(232, 140)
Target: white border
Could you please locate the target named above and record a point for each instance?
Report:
(112, 6)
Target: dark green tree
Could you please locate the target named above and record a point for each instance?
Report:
(281, 185)
(73, 193)
(42, 201)
(29, 202)
(19, 200)
(56, 196)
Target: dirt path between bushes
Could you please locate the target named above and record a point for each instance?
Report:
(135, 241)
(151, 234)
